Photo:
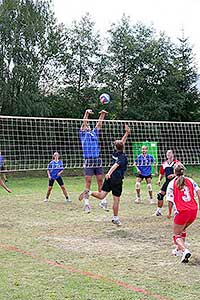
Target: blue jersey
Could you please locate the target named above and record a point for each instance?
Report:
(1, 160)
(54, 168)
(121, 159)
(144, 164)
(90, 143)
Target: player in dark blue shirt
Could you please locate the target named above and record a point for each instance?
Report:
(114, 178)
(92, 161)
(54, 170)
(143, 164)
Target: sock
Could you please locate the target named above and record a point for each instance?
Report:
(86, 201)
(115, 217)
(104, 200)
(158, 209)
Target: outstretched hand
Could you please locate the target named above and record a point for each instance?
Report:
(89, 111)
(103, 112)
(127, 128)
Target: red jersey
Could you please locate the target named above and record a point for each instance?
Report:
(168, 168)
(183, 200)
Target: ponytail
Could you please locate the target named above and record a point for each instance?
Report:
(179, 172)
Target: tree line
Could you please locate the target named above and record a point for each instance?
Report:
(50, 69)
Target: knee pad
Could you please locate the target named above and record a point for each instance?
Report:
(137, 185)
(160, 196)
(176, 237)
(149, 187)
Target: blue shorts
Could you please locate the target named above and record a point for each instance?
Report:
(93, 166)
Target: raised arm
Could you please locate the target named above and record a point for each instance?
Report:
(85, 119)
(101, 118)
(127, 132)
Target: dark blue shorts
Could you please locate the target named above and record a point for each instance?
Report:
(59, 181)
(93, 166)
(113, 185)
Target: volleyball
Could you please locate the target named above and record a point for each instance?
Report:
(104, 98)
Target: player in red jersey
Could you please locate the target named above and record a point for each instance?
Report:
(167, 170)
(181, 197)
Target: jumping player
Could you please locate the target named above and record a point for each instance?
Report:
(143, 164)
(181, 197)
(54, 170)
(91, 155)
(167, 170)
(114, 178)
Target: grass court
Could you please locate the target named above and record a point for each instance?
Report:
(54, 251)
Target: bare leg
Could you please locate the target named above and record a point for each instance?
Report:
(116, 205)
(4, 186)
(137, 187)
(48, 191)
(149, 186)
(178, 230)
(64, 191)
(99, 195)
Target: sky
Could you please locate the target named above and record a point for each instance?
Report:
(170, 16)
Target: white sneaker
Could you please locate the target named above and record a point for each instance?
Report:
(104, 205)
(138, 200)
(116, 222)
(68, 199)
(186, 255)
(87, 208)
(158, 213)
(177, 252)
(46, 200)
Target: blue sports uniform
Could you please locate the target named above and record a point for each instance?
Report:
(1, 162)
(144, 164)
(90, 143)
(54, 168)
(91, 152)
(115, 182)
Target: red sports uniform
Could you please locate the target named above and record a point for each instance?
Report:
(184, 203)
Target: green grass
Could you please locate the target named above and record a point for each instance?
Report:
(138, 253)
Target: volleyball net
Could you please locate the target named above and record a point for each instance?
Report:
(28, 143)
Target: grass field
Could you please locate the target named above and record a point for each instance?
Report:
(56, 251)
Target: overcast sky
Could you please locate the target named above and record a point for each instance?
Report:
(165, 15)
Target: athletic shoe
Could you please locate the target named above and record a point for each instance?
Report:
(46, 200)
(116, 222)
(87, 208)
(104, 205)
(138, 200)
(83, 195)
(186, 255)
(158, 213)
(177, 252)
(68, 200)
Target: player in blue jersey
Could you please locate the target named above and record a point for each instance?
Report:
(143, 164)
(91, 155)
(114, 178)
(2, 168)
(54, 170)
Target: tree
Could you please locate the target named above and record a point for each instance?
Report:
(27, 35)
(81, 58)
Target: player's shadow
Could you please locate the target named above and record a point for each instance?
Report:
(195, 261)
